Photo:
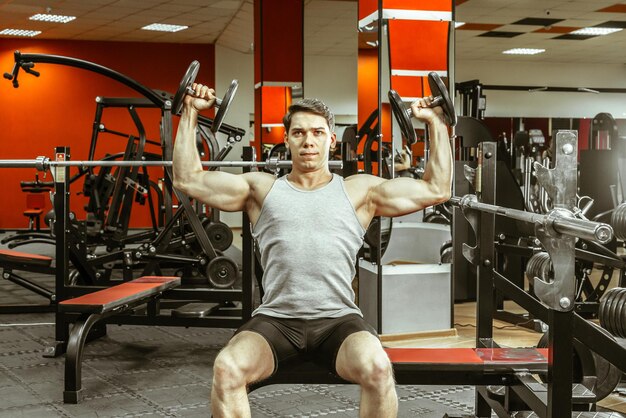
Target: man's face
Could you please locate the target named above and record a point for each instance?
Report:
(309, 140)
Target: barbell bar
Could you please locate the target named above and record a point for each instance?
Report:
(44, 163)
(561, 221)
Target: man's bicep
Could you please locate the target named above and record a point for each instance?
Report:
(400, 196)
(224, 191)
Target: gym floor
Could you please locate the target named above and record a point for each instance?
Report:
(166, 371)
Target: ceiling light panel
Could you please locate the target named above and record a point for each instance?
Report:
(52, 18)
(595, 31)
(164, 27)
(524, 51)
(19, 32)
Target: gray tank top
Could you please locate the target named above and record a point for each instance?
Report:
(308, 240)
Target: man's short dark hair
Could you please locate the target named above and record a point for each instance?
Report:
(315, 106)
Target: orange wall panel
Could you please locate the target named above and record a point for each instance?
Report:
(58, 108)
(367, 7)
(418, 45)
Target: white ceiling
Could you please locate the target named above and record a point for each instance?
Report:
(330, 25)
(608, 49)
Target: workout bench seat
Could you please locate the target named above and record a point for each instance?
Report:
(11, 261)
(19, 260)
(96, 306)
(433, 366)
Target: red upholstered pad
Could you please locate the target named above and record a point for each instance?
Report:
(468, 355)
(432, 355)
(11, 256)
(33, 212)
(107, 299)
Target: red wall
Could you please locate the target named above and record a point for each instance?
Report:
(58, 108)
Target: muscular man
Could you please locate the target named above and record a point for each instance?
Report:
(309, 226)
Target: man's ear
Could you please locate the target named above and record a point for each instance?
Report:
(333, 140)
(286, 140)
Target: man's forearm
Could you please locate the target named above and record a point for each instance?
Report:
(186, 160)
(438, 171)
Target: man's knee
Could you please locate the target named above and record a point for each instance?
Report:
(228, 374)
(377, 373)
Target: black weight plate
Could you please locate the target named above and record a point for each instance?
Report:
(220, 235)
(221, 112)
(618, 314)
(222, 272)
(439, 89)
(588, 363)
(188, 79)
(611, 309)
(602, 307)
(402, 116)
(608, 376)
(371, 235)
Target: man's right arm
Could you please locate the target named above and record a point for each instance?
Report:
(220, 190)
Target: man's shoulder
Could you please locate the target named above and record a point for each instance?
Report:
(260, 182)
(362, 180)
(259, 178)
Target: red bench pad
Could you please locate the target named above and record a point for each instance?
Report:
(10, 256)
(107, 299)
(468, 355)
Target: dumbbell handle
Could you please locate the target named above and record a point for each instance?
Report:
(218, 101)
(437, 101)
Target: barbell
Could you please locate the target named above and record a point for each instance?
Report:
(559, 220)
(440, 98)
(185, 88)
(42, 163)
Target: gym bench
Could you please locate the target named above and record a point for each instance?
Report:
(96, 306)
(433, 366)
(10, 261)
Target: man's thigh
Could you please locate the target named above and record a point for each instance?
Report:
(281, 336)
(357, 353)
(250, 353)
(341, 333)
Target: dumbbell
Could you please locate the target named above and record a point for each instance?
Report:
(185, 88)
(440, 98)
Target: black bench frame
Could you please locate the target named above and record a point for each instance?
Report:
(91, 314)
(15, 260)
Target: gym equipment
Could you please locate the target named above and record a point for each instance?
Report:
(222, 272)
(185, 88)
(539, 265)
(618, 221)
(612, 311)
(590, 369)
(440, 98)
(558, 220)
(220, 235)
(96, 306)
(44, 163)
(12, 261)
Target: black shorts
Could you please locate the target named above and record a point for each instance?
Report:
(297, 340)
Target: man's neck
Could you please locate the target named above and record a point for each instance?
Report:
(310, 180)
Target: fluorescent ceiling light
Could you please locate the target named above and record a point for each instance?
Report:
(523, 51)
(52, 18)
(458, 24)
(595, 31)
(163, 27)
(19, 32)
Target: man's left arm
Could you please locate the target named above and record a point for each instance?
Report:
(404, 195)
